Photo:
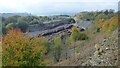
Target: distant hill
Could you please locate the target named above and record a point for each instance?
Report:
(14, 14)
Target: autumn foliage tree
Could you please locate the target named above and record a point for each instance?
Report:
(113, 23)
(108, 25)
(19, 50)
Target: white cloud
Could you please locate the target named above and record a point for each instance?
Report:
(44, 6)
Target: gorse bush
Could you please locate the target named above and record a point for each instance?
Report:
(19, 50)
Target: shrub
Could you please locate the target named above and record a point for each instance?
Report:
(77, 35)
(68, 40)
(82, 36)
(77, 50)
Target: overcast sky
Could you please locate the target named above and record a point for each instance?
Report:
(44, 7)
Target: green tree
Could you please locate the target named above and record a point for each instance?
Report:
(74, 36)
(4, 30)
(11, 25)
(57, 47)
(75, 33)
(23, 26)
(12, 19)
(35, 21)
(46, 43)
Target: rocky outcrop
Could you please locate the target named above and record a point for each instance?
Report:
(56, 30)
(50, 25)
(51, 28)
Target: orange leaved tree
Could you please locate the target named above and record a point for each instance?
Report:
(21, 50)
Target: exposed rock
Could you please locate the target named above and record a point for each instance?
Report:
(107, 48)
(106, 53)
(104, 40)
(90, 58)
(97, 47)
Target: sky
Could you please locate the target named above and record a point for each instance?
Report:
(47, 7)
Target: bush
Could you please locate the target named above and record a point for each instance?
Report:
(68, 40)
(77, 35)
(82, 36)
(19, 50)
(77, 50)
